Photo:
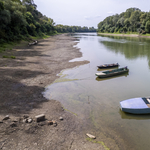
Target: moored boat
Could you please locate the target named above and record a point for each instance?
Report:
(108, 66)
(113, 72)
(139, 105)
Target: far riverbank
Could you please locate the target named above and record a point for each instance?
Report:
(125, 35)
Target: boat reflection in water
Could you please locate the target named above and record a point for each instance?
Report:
(117, 76)
(132, 116)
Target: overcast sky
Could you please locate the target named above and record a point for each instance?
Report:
(86, 12)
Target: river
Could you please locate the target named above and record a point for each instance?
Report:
(97, 100)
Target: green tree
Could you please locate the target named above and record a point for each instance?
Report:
(30, 5)
(127, 22)
(147, 27)
(21, 18)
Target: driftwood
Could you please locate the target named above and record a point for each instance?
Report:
(91, 136)
(33, 43)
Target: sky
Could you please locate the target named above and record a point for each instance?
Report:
(86, 12)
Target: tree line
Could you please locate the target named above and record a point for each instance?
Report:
(20, 19)
(132, 20)
(64, 28)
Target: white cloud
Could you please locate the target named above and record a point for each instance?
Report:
(91, 17)
(58, 20)
(110, 12)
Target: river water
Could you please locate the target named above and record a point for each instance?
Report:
(97, 100)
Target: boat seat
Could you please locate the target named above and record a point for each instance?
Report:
(148, 105)
(101, 73)
(148, 100)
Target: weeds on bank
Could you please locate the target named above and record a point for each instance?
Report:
(98, 142)
(12, 57)
(11, 45)
(146, 34)
(70, 111)
(127, 33)
(4, 47)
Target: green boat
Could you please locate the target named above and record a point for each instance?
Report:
(113, 72)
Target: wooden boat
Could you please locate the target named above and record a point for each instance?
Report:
(108, 66)
(136, 105)
(113, 72)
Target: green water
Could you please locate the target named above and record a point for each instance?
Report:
(97, 100)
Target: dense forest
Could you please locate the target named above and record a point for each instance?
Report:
(65, 28)
(133, 20)
(21, 19)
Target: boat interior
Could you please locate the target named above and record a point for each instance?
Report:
(115, 70)
(147, 101)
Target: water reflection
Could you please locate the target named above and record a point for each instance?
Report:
(85, 34)
(132, 116)
(131, 48)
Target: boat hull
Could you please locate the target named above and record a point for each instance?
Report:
(103, 75)
(136, 106)
(136, 111)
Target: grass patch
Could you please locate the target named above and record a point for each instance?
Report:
(7, 46)
(70, 111)
(23, 42)
(145, 34)
(12, 57)
(128, 33)
(2, 49)
(120, 33)
(5, 56)
(98, 142)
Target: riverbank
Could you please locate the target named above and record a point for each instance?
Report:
(22, 81)
(125, 35)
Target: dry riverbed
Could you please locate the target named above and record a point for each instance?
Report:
(22, 81)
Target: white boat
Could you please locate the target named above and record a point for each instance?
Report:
(139, 105)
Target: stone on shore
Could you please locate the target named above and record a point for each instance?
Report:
(6, 117)
(61, 118)
(50, 123)
(25, 121)
(25, 116)
(13, 124)
(29, 120)
(40, 118)
(54, 123)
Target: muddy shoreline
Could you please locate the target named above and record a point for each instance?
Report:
(22, 81)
